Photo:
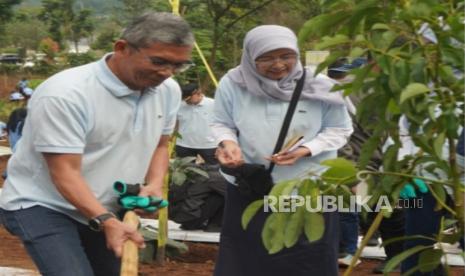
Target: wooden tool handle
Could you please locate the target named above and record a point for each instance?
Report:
(130, 258)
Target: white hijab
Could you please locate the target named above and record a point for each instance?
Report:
(267, 38)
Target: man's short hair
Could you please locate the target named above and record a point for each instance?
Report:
(160, 27)
(189, 89)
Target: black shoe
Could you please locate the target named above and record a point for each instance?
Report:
(212, 227)
(379, 269)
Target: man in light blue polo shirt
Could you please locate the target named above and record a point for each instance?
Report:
(194, 120)
(86, 128)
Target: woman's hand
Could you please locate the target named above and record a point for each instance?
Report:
(229, 154)
(289, 158)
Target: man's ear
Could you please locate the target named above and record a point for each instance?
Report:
(120, 46)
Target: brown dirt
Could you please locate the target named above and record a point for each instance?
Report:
(199, 261)
(8, 83)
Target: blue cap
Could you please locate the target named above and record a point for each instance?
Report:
(359, 62)
(343, 68)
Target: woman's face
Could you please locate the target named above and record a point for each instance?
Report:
(276, 64)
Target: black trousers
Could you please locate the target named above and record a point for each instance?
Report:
(207, 154)
(242, 253)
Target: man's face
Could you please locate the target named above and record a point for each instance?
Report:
(140, 68)
(195, 98)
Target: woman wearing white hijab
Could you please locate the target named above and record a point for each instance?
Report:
(250, 104)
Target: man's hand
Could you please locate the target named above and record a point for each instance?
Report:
(289, 158)
(151, 190)
(229, 154)
(116, 233)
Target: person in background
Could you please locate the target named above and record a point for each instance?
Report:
(23, 83)
(87, 127)
(194, 120)
(389, 228)
(15, 126)
(250, 104)
(3, 131)
(348, 221)
(24, 89)
(16, 96)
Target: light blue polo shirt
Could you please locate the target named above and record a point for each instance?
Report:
(255, 124)
(194, 125)
(87, 110)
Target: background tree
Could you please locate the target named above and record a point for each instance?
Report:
(25, 30)
(108, 33)
(64, 22)
(412, 76)
(82, 26)
(6, 11)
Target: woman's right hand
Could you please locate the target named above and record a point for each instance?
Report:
(229, 154)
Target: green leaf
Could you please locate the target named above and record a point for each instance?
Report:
(413, 90)
(341, 171)
(314, 226)
(320, 25)
(432, 111)
(335, 55)
(360, 76)
(369, 149)
(328, 41)
(451, 238)
(278, 189)
(273, 232)
(186, 160)
(356, 52)
(390, 157)
(250, 211)
(441, 194)
(393, 107)
(178, 177)
(294, 227)
(413, 237)
(429, 259)
(268, 230)
(198, 171)
(400, 74)
(396, 260)
(380, 26)
(438, 143)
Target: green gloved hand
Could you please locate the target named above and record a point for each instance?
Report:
(148, 203)
(129, 199)
(408, 191)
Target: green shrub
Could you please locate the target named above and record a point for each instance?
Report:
(6, 107)
(35, 82)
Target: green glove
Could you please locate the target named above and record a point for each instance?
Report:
(129, 199)
(148, 203)
(408, 191)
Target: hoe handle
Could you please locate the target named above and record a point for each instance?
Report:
(130, 258)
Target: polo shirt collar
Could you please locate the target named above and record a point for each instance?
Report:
(111, 82)
(202, 101)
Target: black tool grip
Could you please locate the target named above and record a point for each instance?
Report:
(125, 189)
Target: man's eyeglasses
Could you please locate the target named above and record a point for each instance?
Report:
(163, 64)
(268, 61)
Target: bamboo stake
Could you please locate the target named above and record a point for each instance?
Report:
(130, 258)
(163, 214)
